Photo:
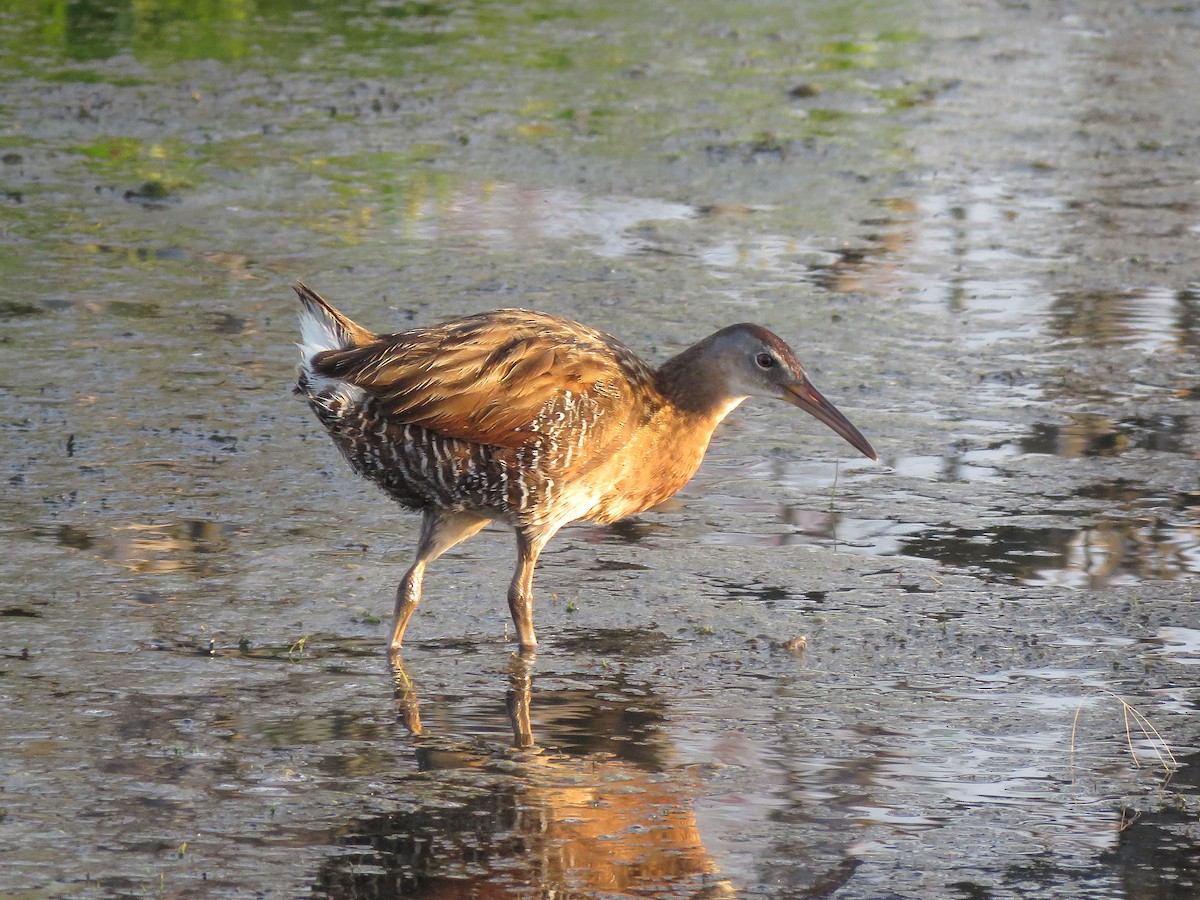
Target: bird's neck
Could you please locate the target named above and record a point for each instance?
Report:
(670, 443)
(697, 400)
(698, 394)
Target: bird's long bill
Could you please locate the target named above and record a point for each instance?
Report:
(813, 402)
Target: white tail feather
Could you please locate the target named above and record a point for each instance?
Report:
(318, 333)
(323, 328)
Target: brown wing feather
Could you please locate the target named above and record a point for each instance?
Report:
(493, 377)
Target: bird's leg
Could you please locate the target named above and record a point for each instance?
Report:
(520, 592)
(440, 531)
(408, 595)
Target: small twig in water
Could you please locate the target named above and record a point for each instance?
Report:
(832, 498)
(1129, 734)
(296, 651)
(1157, 742)
(1128, 818)
(1151, 734)
(1074, 727)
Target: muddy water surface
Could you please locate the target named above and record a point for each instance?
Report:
(967, 671)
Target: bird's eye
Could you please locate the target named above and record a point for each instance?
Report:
(765, 360)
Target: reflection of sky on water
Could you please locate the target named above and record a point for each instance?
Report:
(1103, 554)
(1181, 645)
(856, 791)
(509, 216)
(1120, 534)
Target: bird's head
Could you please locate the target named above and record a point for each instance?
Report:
(756, 362)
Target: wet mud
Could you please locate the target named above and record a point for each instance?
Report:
(966, 671)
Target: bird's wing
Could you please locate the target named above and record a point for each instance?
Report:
(498, 378)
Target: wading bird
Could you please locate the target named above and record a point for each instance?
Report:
(529, 419)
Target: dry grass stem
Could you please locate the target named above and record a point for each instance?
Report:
(1135, 720)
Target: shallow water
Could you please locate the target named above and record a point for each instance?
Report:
(963, 672)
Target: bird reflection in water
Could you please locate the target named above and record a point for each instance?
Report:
(481, 821)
